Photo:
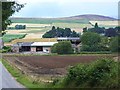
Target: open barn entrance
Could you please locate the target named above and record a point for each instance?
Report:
(39, 48)
(25, 48)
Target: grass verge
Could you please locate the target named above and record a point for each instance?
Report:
(23, 79)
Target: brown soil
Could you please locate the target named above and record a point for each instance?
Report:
(49, 65)
(52, 62)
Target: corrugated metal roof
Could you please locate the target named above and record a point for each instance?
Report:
(27, 43)
(23, 44)
(68, 38)
(43, 43)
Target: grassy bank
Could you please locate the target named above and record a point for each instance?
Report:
(23, 79)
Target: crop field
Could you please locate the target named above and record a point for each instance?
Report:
(10, 37)
(71, 25)
(30, 25)
(36, 28)
(106, 24)
(32, 30)
(74, 26)
(49, 20)
(50, 65)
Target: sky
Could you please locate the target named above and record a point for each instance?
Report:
(66, 8)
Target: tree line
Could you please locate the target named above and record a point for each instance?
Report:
(110, 32)
(60, 32)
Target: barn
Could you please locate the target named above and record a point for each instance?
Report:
(44, 46)
(33, 47)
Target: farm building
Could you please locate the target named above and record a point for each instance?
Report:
(33, 47)
(44, 46)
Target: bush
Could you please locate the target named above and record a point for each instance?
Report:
(101, 73)
(63, 47)
(6, 49)
(114, 45)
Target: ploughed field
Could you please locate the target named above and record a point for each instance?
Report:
(55, 61)
(49, 65)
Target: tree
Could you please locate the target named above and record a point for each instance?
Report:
(54, 48)
(114, 45)
(96, 25)
(85, 29)
(63, 47)
(111, 32)
(60, 32)
(90, 41)
(105, 43)
(53, 27)
(8, 9)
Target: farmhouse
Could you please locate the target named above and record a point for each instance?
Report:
(33, 47)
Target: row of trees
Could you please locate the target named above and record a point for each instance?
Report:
(110, 32)
(60, 32)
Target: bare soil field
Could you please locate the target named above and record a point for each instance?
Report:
(50, 65)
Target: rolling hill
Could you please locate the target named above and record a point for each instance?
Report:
(93, 17)
(73, 19)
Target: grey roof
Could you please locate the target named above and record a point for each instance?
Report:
(68, 38)
(23, 44)
(27, 43)
(43, 43)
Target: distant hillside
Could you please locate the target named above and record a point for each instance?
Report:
(73, 19)
(92, 17)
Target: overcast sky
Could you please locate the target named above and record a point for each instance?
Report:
(65, 8)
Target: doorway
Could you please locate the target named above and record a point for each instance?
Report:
(39, 48)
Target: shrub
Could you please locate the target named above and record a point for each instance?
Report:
(101, 73)
(63, 47)
(6, 49)
(114, 45)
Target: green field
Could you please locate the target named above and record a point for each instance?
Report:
(71, 25)
(10, 37)
(49, 21)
